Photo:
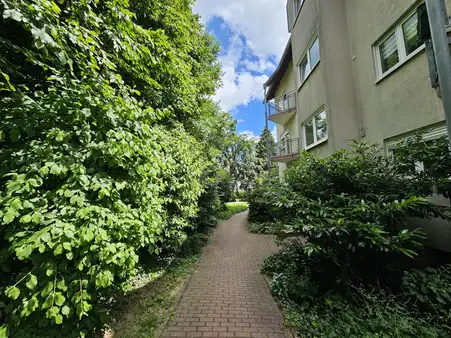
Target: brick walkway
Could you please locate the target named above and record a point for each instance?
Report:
(227, 296)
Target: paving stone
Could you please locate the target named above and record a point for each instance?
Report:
(227, 296)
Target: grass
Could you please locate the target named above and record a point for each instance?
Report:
(233, 208)
(145, 310)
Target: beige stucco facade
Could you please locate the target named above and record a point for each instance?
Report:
(360, 100)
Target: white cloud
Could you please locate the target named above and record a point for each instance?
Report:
(239, 88)
(249, 134)
(262, 22)
(240, 121)
(262, 25)
(259, 66)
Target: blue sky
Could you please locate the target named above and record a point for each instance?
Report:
(253, 35)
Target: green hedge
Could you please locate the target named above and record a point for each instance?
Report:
(99, 156)
(232, 208)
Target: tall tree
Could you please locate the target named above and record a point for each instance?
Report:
(265, 145)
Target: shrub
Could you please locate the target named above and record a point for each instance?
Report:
(341, 223)
(97, 157)
(430, 290)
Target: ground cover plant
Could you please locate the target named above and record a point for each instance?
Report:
(347, 263)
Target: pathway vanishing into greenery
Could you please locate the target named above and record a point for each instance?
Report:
(227, 296)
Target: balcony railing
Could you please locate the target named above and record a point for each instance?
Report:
(282, 104)
(286, 148)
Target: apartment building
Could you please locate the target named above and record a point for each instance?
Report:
(351, 70)
(354, 70)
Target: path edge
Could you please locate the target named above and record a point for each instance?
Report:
(159, 332)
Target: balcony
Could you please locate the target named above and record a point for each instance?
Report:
(282, 108)
(286, 150)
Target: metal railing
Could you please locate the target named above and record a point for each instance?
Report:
(286, 147)
(282, 104)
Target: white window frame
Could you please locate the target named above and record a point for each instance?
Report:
(306, 55)
(315, 136)
(400, 44)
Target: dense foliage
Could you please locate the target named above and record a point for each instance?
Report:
(109, 146)
(233, 208)
(266, 145)
(346, 243)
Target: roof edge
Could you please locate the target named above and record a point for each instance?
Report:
(273, 82)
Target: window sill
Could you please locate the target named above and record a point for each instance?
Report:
(316, 144)
(399, 64)
(306, 78)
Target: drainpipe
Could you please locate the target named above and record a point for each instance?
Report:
(438, 22)
(267, 128)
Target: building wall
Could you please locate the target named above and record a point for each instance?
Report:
(343, 119)
(404, 100)
(357, 102)
(325, 19)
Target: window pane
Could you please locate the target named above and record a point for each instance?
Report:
(410, 32)
(321, 126)
(389, 53)
(314, 53)
(298, 5)
(309, 136)
(304, 69)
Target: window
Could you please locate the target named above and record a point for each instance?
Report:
(297, 7)
(283, 104)
(429, 136)
(309, 61)
(315, 130)
(284, 143)
(398, 45)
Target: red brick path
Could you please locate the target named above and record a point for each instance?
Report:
(227, 296)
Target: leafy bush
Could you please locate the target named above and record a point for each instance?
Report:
(232, 208)
(341, 222)
(430, 290)
(99, 158)
(264, 228)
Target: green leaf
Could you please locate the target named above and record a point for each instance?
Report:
(45, 291)
(59, 299)
(61, 285)
(9, 217)
(58, 319)
(16, 204)
(3, 331)
(32, 282)
(48, 303)
(58, 250)
(36, 217)
(46, 237)
(65, 310)
(24, 252)
(26, 219)
(12, 292)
